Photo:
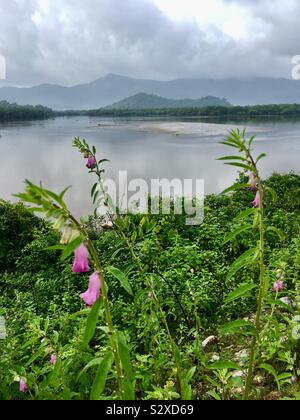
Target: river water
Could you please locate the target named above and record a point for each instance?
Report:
(41, 151)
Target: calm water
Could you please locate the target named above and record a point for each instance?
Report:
(42, 151)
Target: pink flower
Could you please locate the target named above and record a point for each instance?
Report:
(53, 359)
(278, 286)
(22, 385)
(91, 163)
(253, 182)
(81, 261)
(256, 202)
(93, 293)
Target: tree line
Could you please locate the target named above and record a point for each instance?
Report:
(11, 112)
(222, 111)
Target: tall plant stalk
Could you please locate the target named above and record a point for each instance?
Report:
(108, 317)
(246, 161)
(261, 295)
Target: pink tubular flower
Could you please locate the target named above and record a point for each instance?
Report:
(91, 163)
(93, 293)
(22, 385)
(278, 286)
(53, 359)
(81, 261)
(256, 202)
(253, 182)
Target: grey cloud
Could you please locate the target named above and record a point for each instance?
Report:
(74, 42)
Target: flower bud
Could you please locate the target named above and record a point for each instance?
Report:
(22, 385)
(91, 163)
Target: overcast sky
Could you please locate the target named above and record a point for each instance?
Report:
(76, 41)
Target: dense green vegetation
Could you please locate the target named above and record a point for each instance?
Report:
(146, 101)
(207, 111)
(10, 112)
(188, 269)
(13, 112)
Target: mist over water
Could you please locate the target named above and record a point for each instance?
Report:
(42, 152)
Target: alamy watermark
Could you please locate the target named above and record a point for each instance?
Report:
(2, 67)
(296, 67)
(158, 196)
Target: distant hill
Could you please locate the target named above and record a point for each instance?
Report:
(146, 101)
(114, 88)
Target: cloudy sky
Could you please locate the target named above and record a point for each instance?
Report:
(76, 41)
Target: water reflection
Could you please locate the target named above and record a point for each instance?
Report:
(41, 151)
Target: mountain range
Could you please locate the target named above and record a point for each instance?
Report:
(113, 88)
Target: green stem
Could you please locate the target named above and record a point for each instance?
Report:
(261, 296)
(104, 291)
(109, 321)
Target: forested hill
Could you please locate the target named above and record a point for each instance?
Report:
(146, 101)
(10, 112)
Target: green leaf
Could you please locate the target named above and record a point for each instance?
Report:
(240, 165)
(239, 327)
(101, 377)
(263, 155)
(234, 325)
(26, 198)
(36, 355)
(190, 374)
(235, 187)
(246, 213)
(269, 369)
(55, 375)
(231, 158)
(102, 161)
(63, 193)
(284, 376)
(54, 248)
(128, 381)
(92, 363)
(214, 395)
(273, 193)
(54, 196)
(243, 261)
(97, 193)
(278, 302)
(91, 323)
(251, 141)
(35, 209)
(94, 189)
(227, 143)
(71, 247)
(224, 365)
(272, 371)
(240, 292)
(236, 232)
(278, 232)
(119, 275)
